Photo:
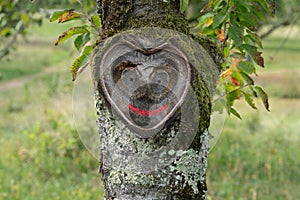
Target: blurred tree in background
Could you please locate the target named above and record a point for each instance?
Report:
(17, 15)
(287, 13)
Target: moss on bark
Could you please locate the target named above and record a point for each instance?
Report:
(120, 15)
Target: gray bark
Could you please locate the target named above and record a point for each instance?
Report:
(171, 164)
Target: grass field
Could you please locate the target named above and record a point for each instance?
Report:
(42, 156)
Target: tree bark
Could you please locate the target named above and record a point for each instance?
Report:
(133, 167)
(120, 15)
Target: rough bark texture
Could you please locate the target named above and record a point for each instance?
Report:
(119, 15)
(182, 179)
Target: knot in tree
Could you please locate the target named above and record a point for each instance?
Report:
(153, 89)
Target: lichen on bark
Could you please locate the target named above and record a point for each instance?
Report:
(183, 179)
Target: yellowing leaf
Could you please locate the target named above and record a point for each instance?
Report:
(234, 81)
(25, 19)
(5, 32)
(204, 19)
(70, 32)
(209, 22)
(81, 62)
(236, 61)
(220, 34)
(56, 15)
(227, 72)
(68, 16)
(259, 59)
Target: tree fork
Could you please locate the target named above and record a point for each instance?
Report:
(185, 177)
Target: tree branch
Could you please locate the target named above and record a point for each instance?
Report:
(5, 50)
(89, 18)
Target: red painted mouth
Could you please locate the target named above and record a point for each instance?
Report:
(148, 113)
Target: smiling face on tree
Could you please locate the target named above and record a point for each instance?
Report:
(145, 82)
(152, 77)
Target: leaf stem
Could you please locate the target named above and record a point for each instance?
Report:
(89, 18)
(226, 93)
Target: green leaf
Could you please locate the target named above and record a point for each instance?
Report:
(235, 113)
(208, 31)
(249, 100)
(264, 97)
(254, 93)
(250, 49)
(81, 40)
(97, 21)
(259, 14)
(232, 94)
(247, 78)
(219, 19)
(70, 32)
(247, 67)
(57, 14)
(235, 33)
(203, 19)
(255, 38)
(184, 4)
(81, 61)
(226, 49)
(266, 6)
(248, 18)
(219, 4)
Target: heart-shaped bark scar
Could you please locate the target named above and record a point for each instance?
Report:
(145, 78)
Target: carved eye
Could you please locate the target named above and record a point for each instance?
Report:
(130, 78)
(125, 75)
(160, 77)
(121, 69)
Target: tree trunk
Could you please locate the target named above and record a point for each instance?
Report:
(168, 162)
